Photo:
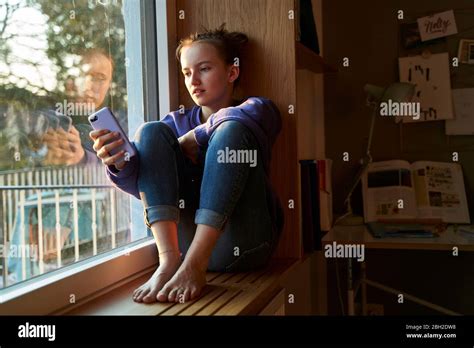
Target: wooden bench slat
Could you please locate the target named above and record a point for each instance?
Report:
(244, 302)
(276, 306)
(251, 277)
(204, 301)
(210, 276)
(235, 284)
(257, 286)
(223, 277)
(177, 307)
(219, 302)
(237, 279)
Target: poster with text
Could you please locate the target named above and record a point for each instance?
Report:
(431, 77)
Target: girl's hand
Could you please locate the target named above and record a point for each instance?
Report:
(189, 146)
(104, 141)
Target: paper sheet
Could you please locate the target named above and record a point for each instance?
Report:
(444, 191)
(437, 25)
(433, 86)
(463, 123)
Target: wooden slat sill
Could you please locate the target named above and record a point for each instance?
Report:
(224, 294)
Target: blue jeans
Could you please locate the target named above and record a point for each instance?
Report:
(231, 197)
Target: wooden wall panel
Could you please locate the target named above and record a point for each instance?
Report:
(268, 70)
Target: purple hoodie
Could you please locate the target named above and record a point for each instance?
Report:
(259, 114)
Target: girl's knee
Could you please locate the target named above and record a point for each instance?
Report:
(231, 127)
(153, 131)
(231, 130)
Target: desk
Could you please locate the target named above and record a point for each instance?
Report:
(360, 235)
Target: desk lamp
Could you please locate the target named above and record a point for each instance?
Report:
(396, 92)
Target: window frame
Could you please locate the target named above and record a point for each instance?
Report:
(61, 290)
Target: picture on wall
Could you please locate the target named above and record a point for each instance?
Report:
(433, 86)
(466, 51)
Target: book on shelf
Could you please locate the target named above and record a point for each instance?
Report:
(325, 193)
(396, 189)
(311, 231)
(316, 201)
(306, 31)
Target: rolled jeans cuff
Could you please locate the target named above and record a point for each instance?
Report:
(210, 218)
(160, 213)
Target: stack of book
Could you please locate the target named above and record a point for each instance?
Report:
(316, 202)
(466, 231)
(384, 230)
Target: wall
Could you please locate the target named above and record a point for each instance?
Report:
(367, 32)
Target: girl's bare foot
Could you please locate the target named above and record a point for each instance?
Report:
(168, 265)
(185, 285)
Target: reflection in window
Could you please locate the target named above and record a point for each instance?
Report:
(60, 62)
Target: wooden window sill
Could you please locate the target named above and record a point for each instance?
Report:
(225, 294)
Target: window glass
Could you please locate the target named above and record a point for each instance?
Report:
(60, 62)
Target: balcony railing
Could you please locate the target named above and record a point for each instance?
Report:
(60, 215)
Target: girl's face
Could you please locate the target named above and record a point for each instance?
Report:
(205, 72)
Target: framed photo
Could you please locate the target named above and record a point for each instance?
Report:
(410, 37)
(471, 53)
(465, 51)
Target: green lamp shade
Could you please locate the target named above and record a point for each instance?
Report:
(397, 92)
(375, 93)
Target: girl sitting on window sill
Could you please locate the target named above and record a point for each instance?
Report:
(203, 174)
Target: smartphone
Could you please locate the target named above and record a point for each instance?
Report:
(105, 119)
(65, 122)
(53, 121)
(39, 125)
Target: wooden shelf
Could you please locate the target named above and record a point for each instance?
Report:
(307, 59)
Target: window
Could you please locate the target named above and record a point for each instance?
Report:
(61, 61)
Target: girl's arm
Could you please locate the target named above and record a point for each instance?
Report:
(125, 179)
(257, 113)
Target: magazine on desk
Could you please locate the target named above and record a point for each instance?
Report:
(397, 189)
